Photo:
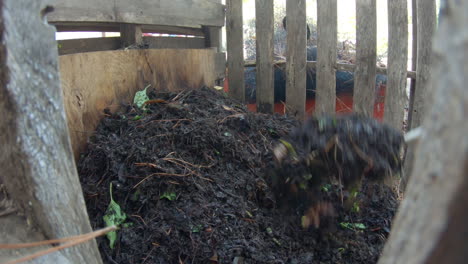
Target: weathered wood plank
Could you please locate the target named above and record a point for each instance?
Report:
(130, 35)
(326, 56)
(235, 49)
(395, 95)
(174, 43)
(296, 58)
(71, 46)
(98, 80)
(220, 65)
(366, 57)
(339, 67)
(426, 10)
(115, 27)
(264, 41)
(414, 52)
(426, 13)
(169, 13)
(37, 169)
(212, 37)
(430, 226)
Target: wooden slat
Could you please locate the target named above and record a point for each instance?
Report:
(220, 65)
(115, 27)
(366, 55)
(130, 34)
(264, 44)
(296, 58)
(430, 226)
(174, 43)
(339, 67)
(414, 52)
(212, 37)
(169, 13)
(426, 12)
(395, 95)
(71, 46)
(37, 170)
(426, 28)
(326, 56)
(235, 50)
(98, 80)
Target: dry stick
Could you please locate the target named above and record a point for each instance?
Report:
(74, 241)
(160, 174)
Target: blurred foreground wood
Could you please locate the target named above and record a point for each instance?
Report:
(431, 225)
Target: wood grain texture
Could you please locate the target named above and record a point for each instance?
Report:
(414, 52)
(37, 168)
(426, 27)
(296, 58)
(235, 50)
(94, 81)
(326, 56)
(426, 12)
(430, 226)
(395, 95)
(264, 41)
(153, 12)
(366, 57)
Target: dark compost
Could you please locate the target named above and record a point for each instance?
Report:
(192, 173)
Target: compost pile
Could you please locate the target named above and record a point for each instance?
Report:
(191, 172)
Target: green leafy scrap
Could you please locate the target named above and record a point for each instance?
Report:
(353, 226)
(114, 217)
(171, 196)
(141, 97)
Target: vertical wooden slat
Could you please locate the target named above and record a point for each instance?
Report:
(326, 56)
(426, 12)
(395, 95)
(414, 52)
(366, 55)
(212, 37)
(130, 34)
(426, 27)
(296, 58)
(235, 50)
(264, 41)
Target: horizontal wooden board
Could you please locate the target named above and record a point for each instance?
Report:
(94, 81)
(152, 12)
(115, 27)
(71, 46)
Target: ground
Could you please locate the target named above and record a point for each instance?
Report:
(191, 174)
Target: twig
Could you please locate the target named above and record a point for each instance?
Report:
(160, 174)
(75, 240)
(188, 163)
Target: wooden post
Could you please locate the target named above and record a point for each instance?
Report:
(430, 226)
(235, 49)
(326, 56)
(130, 34)
(414, 52)
(212, 37)
(264, 28)
(426, 10)
(395, 94)
(37, 169)
(366, 57)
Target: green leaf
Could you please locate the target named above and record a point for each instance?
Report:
(195, 228)
(113, 217)
(137, 117)
(353, 226)
(171, 196)
(141, 97)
